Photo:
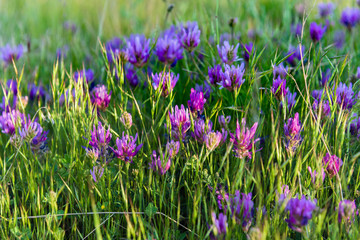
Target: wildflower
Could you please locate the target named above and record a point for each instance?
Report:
(180, 122)
(201, 129)
(232, 77)
(350, 17)
(9, 121)
(196, 102)
(315, 175)
(212, 140)
(332, 164)
(280, 71)
(189, 36)
(344, 96)
(62, 52)
(224, 134)
(97, 173)
(326, 110)
(228, 53)
(12, 86)
(157, 164)
(168, 49)
(300, 212)
(347, 211)
(325, 76)
(283, 196)
(126, 119)
(115, 51)
(355, 126)
(219, 226)
(248, 49)
(33, 133)
(224, 121)
(290, 99)
(100, 138)
(215, 75)
(131, 76)
(243, 208)
(100, 98)
(172, 148)
(339, 39)
(326, 9)
(138, 49)
(292, 131)
(222, 195)
(244, 139)
(126, 147)
(279, 88)
(205, 88)
(36, 92)
(165, 81)
(86, 74)
(92, 153)
(294, 53)
(10, 54)
(317, 31)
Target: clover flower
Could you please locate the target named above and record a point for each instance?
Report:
(126, 147)
(219, 226)
(172, 148)
(326, 9)
(300, 212)
(213, 139)
(292, 131)
(243, 208)
(350, 17)
(283, 196)
(168, 49)
(126, 119)
(85, 74)
(100, 98)
(196, 102)
(355, 126)
(157, 165)
(332, 164)
(243, 139)
(228, 53)
(346, 211)
(115, 51)
(280, 71)
(165, 82)
(224, 121)
(180, 122)
(10, 120)
(279, 88)
(317, 31)
(215, 75)
(100, 138)
(344, 96)
(36, 92)
(232, 77)
(138, 49)
(189, 36)
(11, 53)
(201, 129)
(205, 88)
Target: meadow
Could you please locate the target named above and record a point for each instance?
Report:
(179, 120)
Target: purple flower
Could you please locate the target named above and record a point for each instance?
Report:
(9, 53)
(315, 176)
(9, 121)
(97, 173)
(232, 77)
(172, 148)
(358, 73)
(138, 49)
(332, 164)
(168, 49)
(243, 139)
(243, 208)
(33, 133)
(224, 121)
(228, 53)
(196, 102)
(165, 82)
(126, 147)
(212, 140)
(131, 76)
(355, 126)
(296, 29)
(294, 53)
(100, 138)
(350, 17)
(300, 212)
(100, 98)
(325, 9)
(325, 76)
(126, 119)
(36, 92)
(219, 226)
(180, 122)
(222, 195)
(86, 74)
(62, 52)
(248, 49)
(347, 211)
(189, 36)
(292, 131)
(201, 129)
(157, 165)
(279, 88)
(12, 86)
(317, 31)
(290, 99)
(325, 110)
(215, 75)
(339, 39)
(205, 88)
(280, 71)
(284, 195)
(115, 51)
(344, 96)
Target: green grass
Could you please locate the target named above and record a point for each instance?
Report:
(131, 201)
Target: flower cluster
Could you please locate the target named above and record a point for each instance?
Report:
(292, 131)
(232, 77)
(228, 53)
(86, 74)
(126, 147)
(165, 82)
(11, 53)
(332, 163)
(138, 50)
(196, 102)
(100, 98)
(168, 48)
(189, 36)
(243, 139)
(300, 212)
(180, 122)
(243, 208)
(317, 31)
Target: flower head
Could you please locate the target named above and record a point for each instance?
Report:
(332, 164)
(138, 49)
(346, 211)
(100, 98)
(100, 138)
(33, 133)
(10, 120)
(115, 51)
(344, 96)
(157, 165)
(317, 31)
(86, 74)
(215, 75)
(280, 70)
(326, 9)
(126, 147)
(196, 102)
(315, 175)
(350, 17)
(36, 92)
(248, 50)
(228, 53)
(201, 129)
(131, 76)
(180, 122)
(219, 226)
(232, 77)
(212, 140)
(126, 119)
(325, 109)
(300, 212)
(189, 36)
(244, 139)
(168, 49)
(224, 121)
(279, 88)
(243, 208)
(165, 82)
(205, 88)
(172, 148)
(296, 29)
(97, 173)
(11, 53)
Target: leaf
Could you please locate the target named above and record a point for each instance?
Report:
(150, 210)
